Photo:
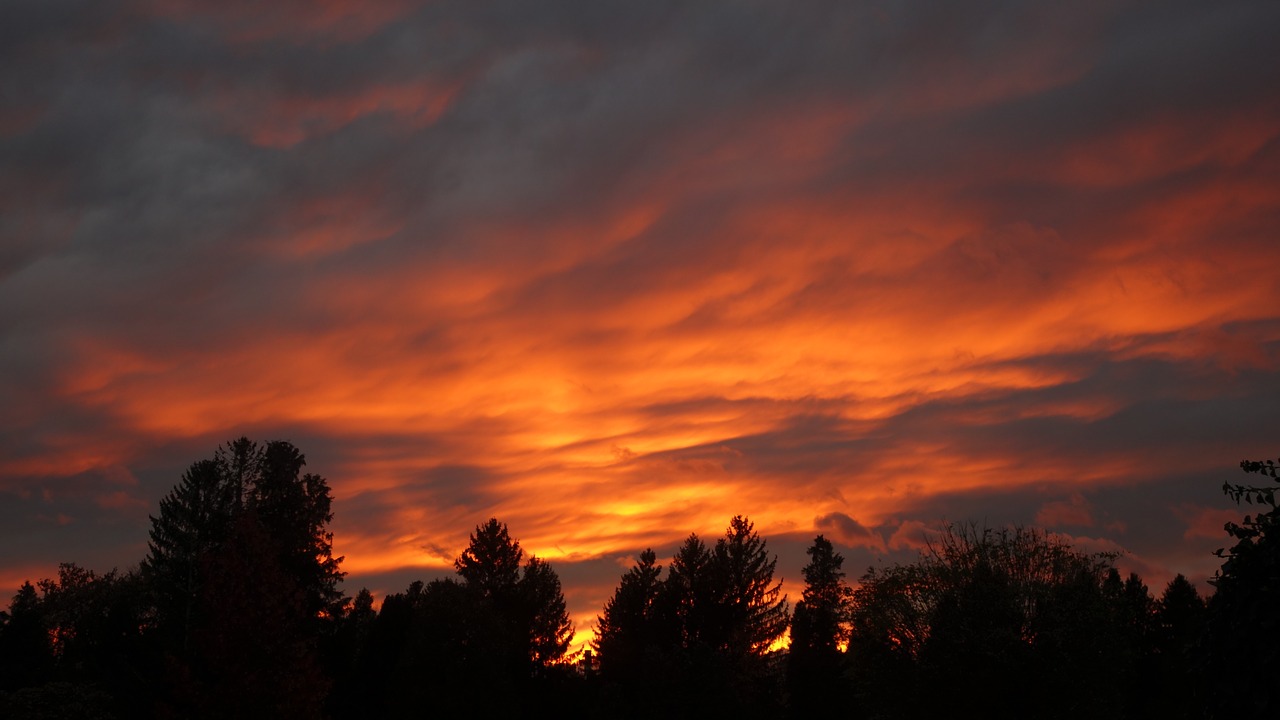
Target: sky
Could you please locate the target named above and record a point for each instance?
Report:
(615, 272)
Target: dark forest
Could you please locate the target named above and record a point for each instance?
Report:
(238, 610)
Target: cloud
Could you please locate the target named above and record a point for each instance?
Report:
(848, 531)
(910, 535)
(1208, 522)
(1072, 512)
(618, 272)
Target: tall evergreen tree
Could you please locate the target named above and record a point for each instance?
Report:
(1179, 626)
(495, 633)
(295, 510)
(545, 613)
(627, 626)
(257, 650)
(529, 604)
(490, 564)
(194, 520)
(752, 609)
(689, 593)
(26, 655)
(819, 631)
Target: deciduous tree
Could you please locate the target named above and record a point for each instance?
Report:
(991, 621)
(1243, 634)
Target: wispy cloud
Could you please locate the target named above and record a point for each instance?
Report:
(615, 273)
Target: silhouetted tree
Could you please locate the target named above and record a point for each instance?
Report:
(249, 510)
(1178, 626)
(193, 521)
(495, 635)
(1179, 617)
(1243, 630)
(819, 632)
(94, 643)
(257, 654)
(995, 622)
(699, 642)
(752, 611)
(490, 564)
(530, 603)
(690, 593)
(626, 631)
(347, 658)
(386, 670)
(26, 656)
(293, 509)
(544, 614)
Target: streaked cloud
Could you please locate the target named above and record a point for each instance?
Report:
(615, 273)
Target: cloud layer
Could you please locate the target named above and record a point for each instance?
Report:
(616, 272)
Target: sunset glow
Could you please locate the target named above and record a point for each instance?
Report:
(615, 277)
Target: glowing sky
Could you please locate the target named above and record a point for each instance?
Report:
(615, 272)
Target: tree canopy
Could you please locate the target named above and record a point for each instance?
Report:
(981, 618)
(702, 639)
(236, 611)
(819, 631)
(214, 498)
(1244, 628)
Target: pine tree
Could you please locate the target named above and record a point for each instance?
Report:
(491, 562)
(752, 610)
(627, 626)
(689, 593)
(197, 518)
(529, 606)
(545, 613)
(819, 631)
(194, 521)
(295, 510)
(26, 655)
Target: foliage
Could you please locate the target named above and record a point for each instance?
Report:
(499, 632)
(990, 620)
(193, 521)
(1243, 633)
(545, 614)
(530, 603)
(26, 655)
(752, 612)
(700, 641)
(295, 510)
(628, 627)
(490, 564)
(1177, 625)
(82, 631)
(256, 651)
(819, 632)
(198, 517)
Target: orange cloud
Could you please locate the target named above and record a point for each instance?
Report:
(1207, 522)
(538, 274)
(1075, 511)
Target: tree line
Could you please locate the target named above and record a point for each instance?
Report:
(237, 610)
